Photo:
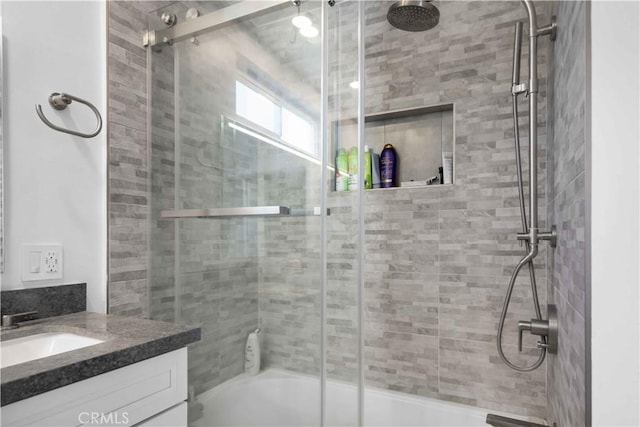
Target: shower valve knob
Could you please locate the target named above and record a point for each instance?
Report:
(535, 326)
(522, 326)
(546, 329)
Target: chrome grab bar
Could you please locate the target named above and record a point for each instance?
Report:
(249, 211)
(226, 212)
(59, 101)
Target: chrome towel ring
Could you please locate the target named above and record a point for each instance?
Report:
(59, 101)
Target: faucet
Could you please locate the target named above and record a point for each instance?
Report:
(547, 329)
(10, 321)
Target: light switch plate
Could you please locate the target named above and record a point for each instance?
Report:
(41, 262)
(35, 258)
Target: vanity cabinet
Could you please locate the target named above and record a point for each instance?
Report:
(152, 392)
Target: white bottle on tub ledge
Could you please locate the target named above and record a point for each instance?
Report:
(252, 353)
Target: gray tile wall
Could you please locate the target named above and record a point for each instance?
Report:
(567, 267)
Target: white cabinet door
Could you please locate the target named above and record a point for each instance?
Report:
(123, 397)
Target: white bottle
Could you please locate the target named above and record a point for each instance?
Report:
(447, 163)
(252, 353)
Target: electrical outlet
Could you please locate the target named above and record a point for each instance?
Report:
(41, 262)
(51, 262)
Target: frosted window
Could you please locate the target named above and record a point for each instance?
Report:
(257, 108)
(298, 131)
(294, 129)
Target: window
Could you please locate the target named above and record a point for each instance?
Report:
(292, 128)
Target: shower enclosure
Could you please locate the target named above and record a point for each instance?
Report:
(359, 292)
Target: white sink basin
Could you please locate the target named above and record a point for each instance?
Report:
(33, 347)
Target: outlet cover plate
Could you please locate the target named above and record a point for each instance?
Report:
(41, 262)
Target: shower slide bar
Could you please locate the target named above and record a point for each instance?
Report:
(251, 211)
(60, 101)
(547, 330)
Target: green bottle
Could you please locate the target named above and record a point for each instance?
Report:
(367, 168)
(353, 168)
(342, 170)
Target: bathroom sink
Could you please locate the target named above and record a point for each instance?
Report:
(25, 349)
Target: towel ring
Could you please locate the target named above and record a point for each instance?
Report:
(59, 101)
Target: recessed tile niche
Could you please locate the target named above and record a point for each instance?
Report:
(419, 136)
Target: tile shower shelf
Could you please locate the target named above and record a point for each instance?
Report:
(399, 114)
(419, 135)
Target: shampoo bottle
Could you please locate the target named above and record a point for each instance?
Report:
(388, 166)
(375, 170)
(353, 168)
(367, 168)
(252, 353)
(342, 170)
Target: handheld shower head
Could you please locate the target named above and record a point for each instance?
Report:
(413, 15)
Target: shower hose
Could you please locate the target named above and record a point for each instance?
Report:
(527, 260)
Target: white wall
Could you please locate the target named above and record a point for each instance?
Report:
(55, 183)
(615, 50)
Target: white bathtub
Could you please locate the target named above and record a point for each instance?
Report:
(281, 398)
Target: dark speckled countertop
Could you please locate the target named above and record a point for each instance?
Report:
(127, 341)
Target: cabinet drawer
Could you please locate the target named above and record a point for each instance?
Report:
(174, 417)
(122, 397)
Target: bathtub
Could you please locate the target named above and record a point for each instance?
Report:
(282, 398)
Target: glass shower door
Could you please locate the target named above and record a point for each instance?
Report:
(236, 235)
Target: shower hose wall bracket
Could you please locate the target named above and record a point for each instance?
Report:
(535, 236)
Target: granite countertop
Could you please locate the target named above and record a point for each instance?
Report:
(127, 341)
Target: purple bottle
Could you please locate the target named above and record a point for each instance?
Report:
(388, 167)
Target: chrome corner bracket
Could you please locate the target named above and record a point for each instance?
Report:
(148, 38)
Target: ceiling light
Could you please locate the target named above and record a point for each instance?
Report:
(354, 84)
(309, 32)
(301, 21)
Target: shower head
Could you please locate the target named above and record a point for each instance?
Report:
(413, 15)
